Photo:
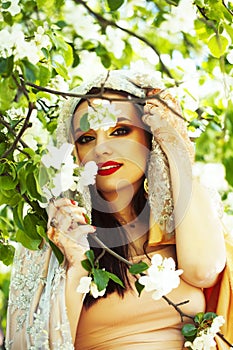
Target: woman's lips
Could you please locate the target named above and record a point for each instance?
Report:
(108, 168)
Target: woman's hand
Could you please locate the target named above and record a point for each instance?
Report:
(163, 114)
(68, 229)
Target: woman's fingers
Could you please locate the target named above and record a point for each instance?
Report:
(73, 242)
(65, 214)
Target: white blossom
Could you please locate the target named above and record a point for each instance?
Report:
(64, 180)
(86, 285)
(60, 164)
(12, 41)
(202, 342)
(205, 339)
(14, 7)
(162, 276)
(57, 156)
(87, 176)
(216, 324)
(102, 115)
(42, 39)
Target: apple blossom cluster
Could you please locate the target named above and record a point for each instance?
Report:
(13, 41)
(101, 115)
(205, 339)
(60, 176)
(162, 277)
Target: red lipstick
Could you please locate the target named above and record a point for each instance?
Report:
(108, 168)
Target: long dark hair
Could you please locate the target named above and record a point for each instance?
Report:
(109, 229)
(112, 233)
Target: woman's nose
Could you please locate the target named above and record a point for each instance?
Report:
(102, 146)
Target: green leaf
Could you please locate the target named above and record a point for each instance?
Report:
(209, 315)
(115, 4)
(7, 182)
(90, 256)
(44, 75)
(139, 287)
(9, 197)
(41, 231)
(57, 252)
(68, 55)
(7, 253)
(217, 45)
(189, 330)
(18, 215)
(6, 66)
(84, 123)
(86, 265)
(100, 278)
(30, 71)
(199, 317)
(115, 279)
(138, 268)
(27, 241)
(61, 70)
(228, 163)
(32, 187)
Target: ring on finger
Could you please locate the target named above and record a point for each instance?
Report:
(54, 222)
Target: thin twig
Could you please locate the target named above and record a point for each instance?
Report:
(224, 339)
(110, 251)
(176, 306)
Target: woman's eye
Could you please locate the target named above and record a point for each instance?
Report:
(84, 139)
(123, 130)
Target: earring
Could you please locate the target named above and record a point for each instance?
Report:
(145, 185)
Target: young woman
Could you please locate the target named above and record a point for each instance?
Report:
(173, 215)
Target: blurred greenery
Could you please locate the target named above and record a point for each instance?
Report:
(49, 47)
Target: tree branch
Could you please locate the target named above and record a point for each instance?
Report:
(105, 22)
(24, 127)
(7, 125)
(111, 99)
(229, 10)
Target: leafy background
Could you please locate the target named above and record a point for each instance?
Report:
(49, 47)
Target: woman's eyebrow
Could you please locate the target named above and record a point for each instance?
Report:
(121, 119)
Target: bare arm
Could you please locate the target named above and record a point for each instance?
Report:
(199, 235)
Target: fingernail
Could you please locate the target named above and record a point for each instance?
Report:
(72, 202)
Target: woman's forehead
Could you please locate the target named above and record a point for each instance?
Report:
(115, 106)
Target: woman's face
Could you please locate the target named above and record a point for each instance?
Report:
(121, 151)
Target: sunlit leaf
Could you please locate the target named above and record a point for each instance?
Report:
(218, 45)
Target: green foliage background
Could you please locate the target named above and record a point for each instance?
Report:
(57, 43)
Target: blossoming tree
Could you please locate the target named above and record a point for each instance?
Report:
(48, 47)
